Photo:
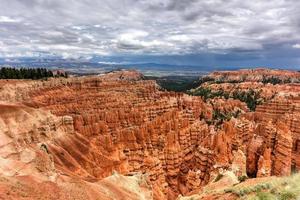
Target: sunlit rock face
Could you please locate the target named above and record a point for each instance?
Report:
(129, 126)
(118, 136)
(255, 75)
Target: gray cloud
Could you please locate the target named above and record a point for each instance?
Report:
(157, 27)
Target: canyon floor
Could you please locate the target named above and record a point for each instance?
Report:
(118, 136)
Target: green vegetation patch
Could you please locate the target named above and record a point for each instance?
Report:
(219, 177)
(242, 178)
(250, 97)
(28, 73)
(176, 83)
(287, 188)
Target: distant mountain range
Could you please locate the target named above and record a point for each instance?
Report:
(85, 66)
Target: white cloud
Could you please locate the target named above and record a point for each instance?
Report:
(137, 40)
(7, 19)
(296, 46)
(132, 35)
(180, 38)
(146, 27)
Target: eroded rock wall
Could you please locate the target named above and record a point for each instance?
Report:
(90, 128)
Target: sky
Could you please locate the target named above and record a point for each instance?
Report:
(183, 32)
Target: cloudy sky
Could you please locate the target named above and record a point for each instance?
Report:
(191, 32)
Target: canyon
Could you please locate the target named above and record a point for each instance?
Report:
(118, 136)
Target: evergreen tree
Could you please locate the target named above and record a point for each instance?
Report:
(27, 73)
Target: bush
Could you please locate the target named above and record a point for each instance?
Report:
(204, 92)
(251, 98)
(287, 195)
(242, 178)
(229, 190)
(264, 196)
(219, 117)
(273, 80)
(244, 192)
(219, 177)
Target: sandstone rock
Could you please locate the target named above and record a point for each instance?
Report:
(254, 75)
(238, 166)
(282, 151)
(87, 128)
(253, 153)
(264, 164)
(27, 155)
(193, 180)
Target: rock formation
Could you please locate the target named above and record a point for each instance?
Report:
(255, 75)
(118, 136)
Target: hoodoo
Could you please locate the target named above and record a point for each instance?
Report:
(118, 136)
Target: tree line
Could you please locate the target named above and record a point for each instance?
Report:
(28, 73)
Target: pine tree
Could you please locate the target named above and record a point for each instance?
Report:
(25, 73)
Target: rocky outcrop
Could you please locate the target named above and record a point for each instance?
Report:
(238, 166)
(103, 130)
(264, 164)
(113, 187)
(283, 152)
(255, 75)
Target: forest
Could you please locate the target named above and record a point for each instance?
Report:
(28, 73)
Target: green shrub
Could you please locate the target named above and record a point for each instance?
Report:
(228, 190)
(250, 97)
(287, 195)
(219, 177)
(264, 196)
(244, 192)
(242, 178)
(273, 80)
